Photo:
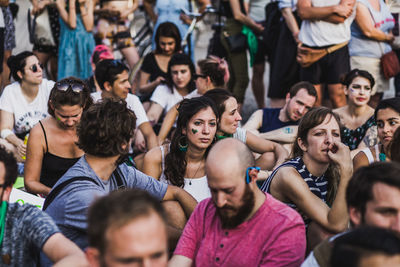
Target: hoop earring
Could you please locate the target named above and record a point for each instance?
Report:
(183, 147)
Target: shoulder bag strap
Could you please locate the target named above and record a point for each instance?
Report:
(56, 190)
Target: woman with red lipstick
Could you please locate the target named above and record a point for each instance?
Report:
(51, 148)
(314, 180)
(357, 116)
(182, 163)
(272, 154)
(387, 117)
(24, 102)
(179, 83)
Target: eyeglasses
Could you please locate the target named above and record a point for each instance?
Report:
(35, 67)
(75, 86)
(116, 62)
(196, 76)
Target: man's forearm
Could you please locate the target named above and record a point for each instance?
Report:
(282, 135)
(187, 202)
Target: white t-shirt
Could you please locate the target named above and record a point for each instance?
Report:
(26, 115)
(321, 33)
(240, 134)
(133, 104)
(162, 95)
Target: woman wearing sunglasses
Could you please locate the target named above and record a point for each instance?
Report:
(52, 148)
(23, 103)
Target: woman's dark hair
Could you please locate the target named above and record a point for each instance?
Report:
(216, 68)
(105, 127)
(181, 59)
(349, 77)
(395, 146)
(311, 119)
(168, 29)
(17, 63)
(393, 103)
(175, 161)
(69, 97)
(219, 96)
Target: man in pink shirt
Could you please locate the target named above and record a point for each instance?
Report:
(240, 225)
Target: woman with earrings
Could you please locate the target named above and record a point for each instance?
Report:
(387, 117)
(52, 148)
(271, 154)
(182, 163)
(23, 103)
(212, 72)
(357, 117)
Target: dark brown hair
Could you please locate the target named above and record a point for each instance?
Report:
(116, 210)
(60, 98)
(17, 63)
(105, 127)
(168, 29)
(175, 161)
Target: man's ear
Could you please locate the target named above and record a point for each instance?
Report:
(355, 216)
(253, 173)
(93, 256)
(108, 86)
(302, 144)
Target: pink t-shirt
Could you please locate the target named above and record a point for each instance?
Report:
(274, 236)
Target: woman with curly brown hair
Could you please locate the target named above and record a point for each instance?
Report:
(182, 162)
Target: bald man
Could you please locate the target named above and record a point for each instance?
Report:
(240, 225)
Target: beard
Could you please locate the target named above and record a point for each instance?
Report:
(239, 213)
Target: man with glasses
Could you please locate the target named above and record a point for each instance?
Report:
(113, 79)
(25, 229)
(239, 225)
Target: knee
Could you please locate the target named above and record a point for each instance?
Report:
(266, 161)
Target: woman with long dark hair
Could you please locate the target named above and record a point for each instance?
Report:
(52, 148)
(155, 64)
(178, 85)
(182, 162)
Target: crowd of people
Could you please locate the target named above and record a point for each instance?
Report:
(160, 170)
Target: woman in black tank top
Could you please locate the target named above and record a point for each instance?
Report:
(52, 148)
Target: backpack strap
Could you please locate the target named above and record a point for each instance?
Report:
(117, 173)
(56, 190)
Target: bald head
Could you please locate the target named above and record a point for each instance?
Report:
(229, 155)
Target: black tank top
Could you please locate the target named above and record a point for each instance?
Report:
(53, 167)
(227, 10)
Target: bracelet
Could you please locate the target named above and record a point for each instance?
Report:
(5, 132)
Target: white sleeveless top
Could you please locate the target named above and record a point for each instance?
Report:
(197, 187)
(368, 153)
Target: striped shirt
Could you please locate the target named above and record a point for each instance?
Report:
(318, 185)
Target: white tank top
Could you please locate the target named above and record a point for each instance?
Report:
(197, 187)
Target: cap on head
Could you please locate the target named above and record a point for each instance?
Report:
(101, 52)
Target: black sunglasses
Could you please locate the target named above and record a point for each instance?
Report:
(196, 76)
(34, 67)
(75, 86)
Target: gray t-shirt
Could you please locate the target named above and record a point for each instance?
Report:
(26, 231)
(69, 208)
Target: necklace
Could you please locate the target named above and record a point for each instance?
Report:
(190, 178)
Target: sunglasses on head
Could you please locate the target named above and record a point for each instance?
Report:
(196, 76)
(35, 67)
(75, 86)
